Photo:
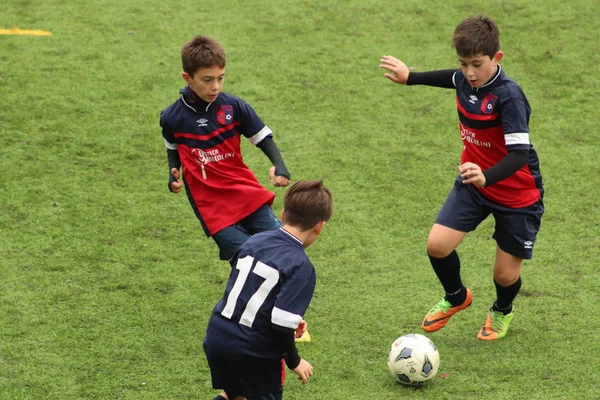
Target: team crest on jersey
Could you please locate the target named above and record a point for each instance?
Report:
(488, 103)
(225, 115)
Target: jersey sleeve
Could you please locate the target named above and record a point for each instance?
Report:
(511, 163)
(293, 299)
(514, 116)
(251, 126)
(440, 78)
(168, 136)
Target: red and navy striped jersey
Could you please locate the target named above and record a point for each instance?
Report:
(221, 187)
(271, 285)
(493, 120)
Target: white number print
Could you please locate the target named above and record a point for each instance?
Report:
(271, 276)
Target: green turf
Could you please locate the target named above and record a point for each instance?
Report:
(106, 280)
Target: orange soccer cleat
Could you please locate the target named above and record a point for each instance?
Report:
(439, 315)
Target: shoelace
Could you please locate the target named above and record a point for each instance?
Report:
(443, 305)
(497, 321)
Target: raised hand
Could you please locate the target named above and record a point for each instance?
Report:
(398, 71)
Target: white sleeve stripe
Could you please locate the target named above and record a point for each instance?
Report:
(170, 146)
(285, 318)
(260, 135)
(516, 138)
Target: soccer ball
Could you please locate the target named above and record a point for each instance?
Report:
(413, 359)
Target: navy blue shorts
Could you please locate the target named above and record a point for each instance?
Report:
(516, 228)
(250, 377)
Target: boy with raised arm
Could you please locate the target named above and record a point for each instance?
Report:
(499, 174)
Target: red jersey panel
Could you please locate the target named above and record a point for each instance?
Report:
(516, 191)
(224, 189)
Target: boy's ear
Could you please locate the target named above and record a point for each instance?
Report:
(186, 77)
(282, 215)
(319, 227)
(498, 56)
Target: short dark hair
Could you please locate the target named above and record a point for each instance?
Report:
(477, 35)
(306, 203)
(202, 52)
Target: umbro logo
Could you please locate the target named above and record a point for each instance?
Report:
(528, 244)
(202, 122)
(473, 99)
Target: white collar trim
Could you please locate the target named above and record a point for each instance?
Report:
(184, 102)
(292, 236)
(492, 81)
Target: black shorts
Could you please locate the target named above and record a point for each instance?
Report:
(516, 228)
(250, 377)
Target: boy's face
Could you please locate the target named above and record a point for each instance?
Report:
(206, 82)
(479, 69)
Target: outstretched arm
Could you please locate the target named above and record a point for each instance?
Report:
(443, 78)
(401, 74)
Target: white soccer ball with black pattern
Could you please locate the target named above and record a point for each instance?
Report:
(413, 359)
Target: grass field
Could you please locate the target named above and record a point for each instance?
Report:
(106, 280)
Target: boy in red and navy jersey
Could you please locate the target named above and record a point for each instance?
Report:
(499, 174)
(202, 132)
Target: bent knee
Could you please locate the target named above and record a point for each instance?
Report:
(443, 240)
(506, 278)
(438, 248)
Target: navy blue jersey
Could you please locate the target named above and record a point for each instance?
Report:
(221, 188)
(270, 287)
(493, 120)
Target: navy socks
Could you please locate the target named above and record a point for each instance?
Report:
(505, 296)
(447, 270)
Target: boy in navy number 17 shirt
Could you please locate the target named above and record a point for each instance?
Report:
(251, 331)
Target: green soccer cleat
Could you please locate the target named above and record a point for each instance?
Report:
(440, 314)
(496, 325)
